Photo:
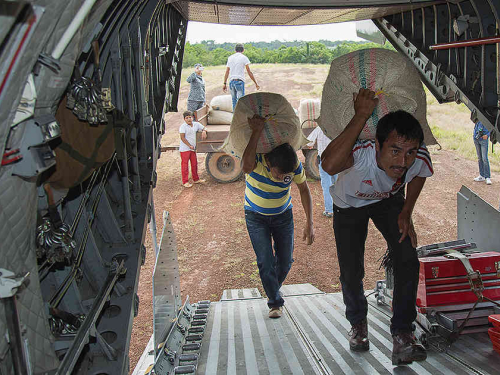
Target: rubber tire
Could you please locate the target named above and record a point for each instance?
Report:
(223, 167)
(311, 164)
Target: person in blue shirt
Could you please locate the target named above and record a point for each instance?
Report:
(481, 135)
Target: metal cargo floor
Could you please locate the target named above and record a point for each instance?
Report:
(311, 338)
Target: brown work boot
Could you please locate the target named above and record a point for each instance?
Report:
(406, 349)
(359, 337)
(275, 312)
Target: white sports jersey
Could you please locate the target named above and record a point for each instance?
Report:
(236, 64)
(190, 134)
(365, 183)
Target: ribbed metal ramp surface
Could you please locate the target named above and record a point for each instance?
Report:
(311, 338)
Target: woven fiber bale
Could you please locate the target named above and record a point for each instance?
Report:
(309, 111)
(282, 124)
(222, 103)
(390, 74)
(219, 117)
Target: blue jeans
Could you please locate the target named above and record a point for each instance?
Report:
(326, 182)
(482, 156)
(273, 266)
(237, 89)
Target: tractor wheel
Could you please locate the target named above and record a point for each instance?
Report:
(223, 167)
(311, 164)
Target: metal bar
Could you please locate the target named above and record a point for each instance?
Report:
(81, 339)
(466, 43)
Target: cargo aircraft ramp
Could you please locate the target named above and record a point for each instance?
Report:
(312, 338)
(235, 336)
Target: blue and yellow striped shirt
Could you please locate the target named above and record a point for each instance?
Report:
(264, 194)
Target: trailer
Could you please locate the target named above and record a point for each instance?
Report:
(71, 255)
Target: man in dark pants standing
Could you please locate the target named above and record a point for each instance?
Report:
(371, 186)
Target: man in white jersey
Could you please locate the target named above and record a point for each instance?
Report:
(372, 176)
(235, 71)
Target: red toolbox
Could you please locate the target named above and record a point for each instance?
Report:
(495, 338)
(495, 320)
(443, 279)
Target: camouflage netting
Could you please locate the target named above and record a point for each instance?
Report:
(282, 124)
(391, 75)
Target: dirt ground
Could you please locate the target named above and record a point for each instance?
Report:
(214, 249)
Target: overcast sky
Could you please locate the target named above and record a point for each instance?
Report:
(198, 31)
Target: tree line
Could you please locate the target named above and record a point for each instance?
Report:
(209, 53)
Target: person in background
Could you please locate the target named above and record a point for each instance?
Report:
(481, 135)
(196, 98)
(235, 71)
(187, 148)
(268, 211)
(373, 175)
(317, 136)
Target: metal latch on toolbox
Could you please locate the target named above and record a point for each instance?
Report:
(474, 277)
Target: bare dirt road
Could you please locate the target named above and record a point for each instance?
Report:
(213, 246)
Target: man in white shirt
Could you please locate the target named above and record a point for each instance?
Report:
(235, 71)
(317, 136)
(372, 176)
(187, 148)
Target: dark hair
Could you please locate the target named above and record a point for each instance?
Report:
(187, 113)
(239, 48)
(283, 157)
(403, 122)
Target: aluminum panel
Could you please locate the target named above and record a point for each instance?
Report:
(312, 338)
(233, 294)
(477, 220)
(166, 285)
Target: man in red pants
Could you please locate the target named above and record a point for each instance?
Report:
(187, 148)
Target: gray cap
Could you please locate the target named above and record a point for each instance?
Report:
(199, 66)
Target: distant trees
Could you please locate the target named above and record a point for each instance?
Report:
(210, 53)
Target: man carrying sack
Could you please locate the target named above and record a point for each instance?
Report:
(372, 176)
(268, 210)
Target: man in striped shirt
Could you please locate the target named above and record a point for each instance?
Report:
(268, 211)
(372, 176)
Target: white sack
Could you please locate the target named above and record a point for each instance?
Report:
(309, 111)
(219, 117)
(222, 103)
(282, 124)
(389, 74)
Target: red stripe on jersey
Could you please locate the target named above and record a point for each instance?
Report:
(363, 146)
(426, 162)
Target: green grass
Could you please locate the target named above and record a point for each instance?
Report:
(461, 142)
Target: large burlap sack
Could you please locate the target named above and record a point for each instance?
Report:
(309, 111)
(219, 117)
(282, 124)
(222, 103)
(389, 74)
